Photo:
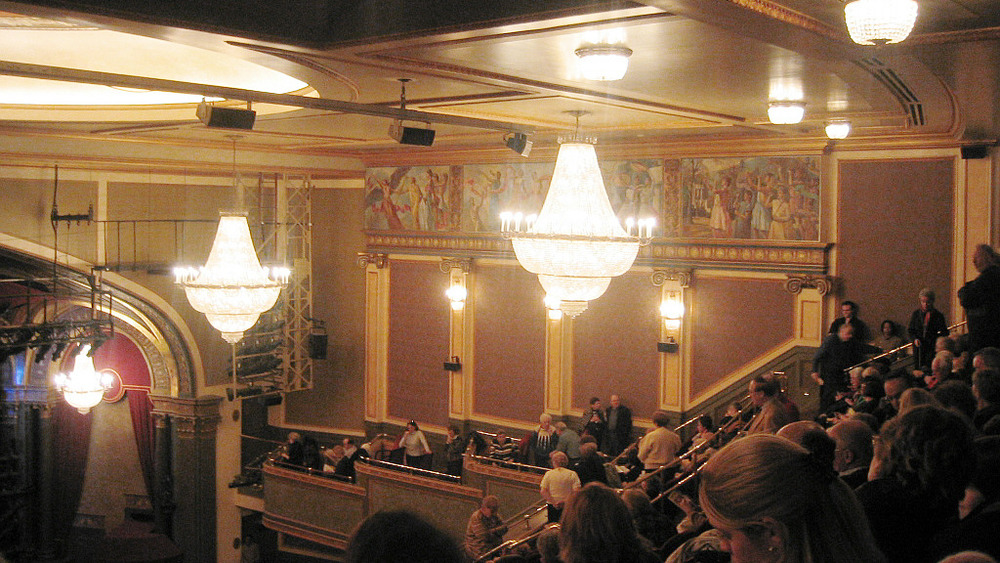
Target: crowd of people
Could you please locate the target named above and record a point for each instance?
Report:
(899, 466)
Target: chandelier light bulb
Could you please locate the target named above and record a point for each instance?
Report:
(838, 129)
(879, 22)
(786, 112)
(603, 62)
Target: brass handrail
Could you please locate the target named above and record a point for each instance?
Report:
(897, 349)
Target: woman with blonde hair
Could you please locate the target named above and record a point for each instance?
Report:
(772, 501)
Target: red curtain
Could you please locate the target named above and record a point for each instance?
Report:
(142, 423)
(71, 440)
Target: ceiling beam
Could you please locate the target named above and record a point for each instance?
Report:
(63, 74)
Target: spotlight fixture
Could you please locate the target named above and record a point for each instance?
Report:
(409, 135)
(226, 118)
(838, 129)
(519, 143)
(786, 112)
(880, 22)
(603, 62)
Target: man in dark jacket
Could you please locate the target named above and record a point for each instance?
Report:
(981, 300)
(619, 419)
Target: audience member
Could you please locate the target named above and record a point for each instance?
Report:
(331, 457)
(918, 474)
(981, 300)
(770, 414)
(547, 544)
(569, 442)
(345, 466)
(746, 494)
(849, 316)
(542, 442)
(312, 458)
(926, 325)
(619, 434)
(957, 395)
(986, 388)
(968, 557)
(485, 530)
(660, 445)
(940, 370)
(502, 447)
(979, 510)
(400, 536)
(853, 450)
(594, 421)
(986, 358)
(591, 466)
(557, 485)
(292, 453)
(596, 528)
(897, 383)
(838, 352)
(915, 397)
(454, 451)
(416, 451)
(889, 339)
(651, 524)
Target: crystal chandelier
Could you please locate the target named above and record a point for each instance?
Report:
(603, 62)
(575, 244)
(232, 289)
(83, 388)
(878, 22)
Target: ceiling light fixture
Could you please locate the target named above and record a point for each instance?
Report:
(838, 129)
(83, 387)
(575, 244)
(232, 289)
(603, 62)
(879, 22)
(785, 112)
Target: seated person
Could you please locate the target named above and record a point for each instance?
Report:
(485, 530)
(502, 447)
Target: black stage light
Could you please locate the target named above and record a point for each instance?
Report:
(519, 143)
(226, 118)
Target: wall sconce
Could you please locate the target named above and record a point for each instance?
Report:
(454, 365)
(457, 294)
(554, 307)
(672, 311)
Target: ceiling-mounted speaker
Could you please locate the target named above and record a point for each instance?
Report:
(226, 118)
(411, 135)
(975, 151)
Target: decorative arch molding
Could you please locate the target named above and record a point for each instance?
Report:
(169, 351)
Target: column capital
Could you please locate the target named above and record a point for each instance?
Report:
(379, 260)
(796, 283)
(682, 277)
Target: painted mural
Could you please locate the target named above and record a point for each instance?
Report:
(767, 198)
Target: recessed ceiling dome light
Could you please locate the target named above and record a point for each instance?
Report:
(786, 112)
(604, 62)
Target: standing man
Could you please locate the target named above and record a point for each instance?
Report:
(569, 442)
(619, 419)
(485, 530)
(557, 485)
(849, 316)
(926, 325)
(981, 300)
(542, 442)
(659, 446)
(594, 422)
(838, 352)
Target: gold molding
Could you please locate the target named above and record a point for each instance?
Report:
(794, 284)
(682, 277)
(379, 260)
(463, 264)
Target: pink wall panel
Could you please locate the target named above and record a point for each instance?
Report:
(509, 343)
(895, 236)
(615, 351)
(734, 321)
(418, 342)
